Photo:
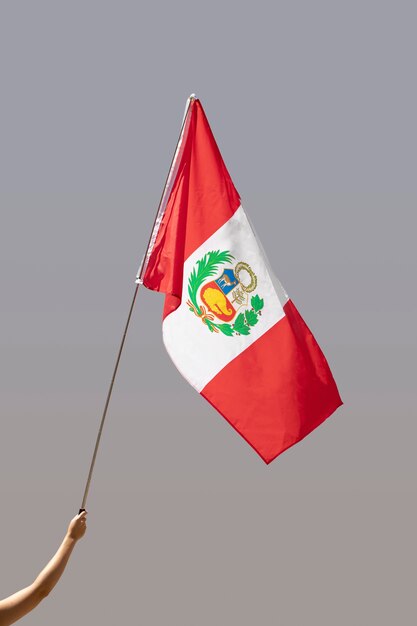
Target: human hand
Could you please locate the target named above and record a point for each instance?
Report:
(77, 526)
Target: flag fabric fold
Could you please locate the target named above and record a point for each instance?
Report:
(228, 324)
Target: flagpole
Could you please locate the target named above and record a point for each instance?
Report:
(139, 281)
(106, 406)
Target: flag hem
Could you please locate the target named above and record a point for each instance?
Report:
(325, 416)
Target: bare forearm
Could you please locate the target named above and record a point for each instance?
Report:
(22, 602)
(50, 575)
(52, 572)
(19, 604)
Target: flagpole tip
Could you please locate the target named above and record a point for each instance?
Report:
(193, 97)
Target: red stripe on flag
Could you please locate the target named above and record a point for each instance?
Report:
(278, 390)
(203, 198)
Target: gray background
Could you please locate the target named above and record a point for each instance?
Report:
(313, 106)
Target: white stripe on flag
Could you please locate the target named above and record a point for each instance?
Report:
(198, 353)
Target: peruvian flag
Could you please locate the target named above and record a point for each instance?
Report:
(228, 324)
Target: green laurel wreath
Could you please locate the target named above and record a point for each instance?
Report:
(207, 266)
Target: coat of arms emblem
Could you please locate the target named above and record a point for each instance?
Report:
(225, 304)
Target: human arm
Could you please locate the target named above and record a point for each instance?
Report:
(22, 602)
